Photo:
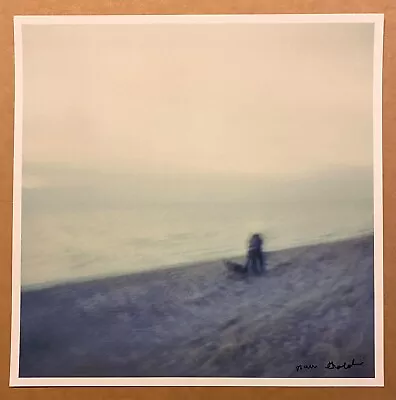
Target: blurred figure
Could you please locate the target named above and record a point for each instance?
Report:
(255, 256)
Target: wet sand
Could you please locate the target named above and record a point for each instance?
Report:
(314, 305)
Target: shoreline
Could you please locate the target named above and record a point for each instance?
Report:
(192, 264)
(314, 305)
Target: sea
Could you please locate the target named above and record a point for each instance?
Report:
(128, 225)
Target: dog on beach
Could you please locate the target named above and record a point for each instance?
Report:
(236, 267)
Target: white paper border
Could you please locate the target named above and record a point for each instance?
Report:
(377, 20)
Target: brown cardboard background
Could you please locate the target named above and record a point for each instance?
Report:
(9, 8)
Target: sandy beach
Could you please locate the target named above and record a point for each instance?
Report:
(314, 305)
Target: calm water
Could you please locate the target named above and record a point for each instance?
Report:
(78, 233)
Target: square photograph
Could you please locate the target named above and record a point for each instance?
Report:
(197, 200)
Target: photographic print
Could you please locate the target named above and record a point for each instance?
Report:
(198, 201)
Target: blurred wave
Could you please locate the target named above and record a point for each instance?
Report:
(107, 228)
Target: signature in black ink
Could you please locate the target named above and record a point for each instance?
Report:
(331, 365)
(308, 366)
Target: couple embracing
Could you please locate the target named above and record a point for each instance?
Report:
(255, 256)
(255, 260)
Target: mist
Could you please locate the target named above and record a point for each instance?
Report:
(229, 99)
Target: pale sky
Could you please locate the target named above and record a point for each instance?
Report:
(234, 98)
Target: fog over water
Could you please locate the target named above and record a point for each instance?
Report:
(146, 146)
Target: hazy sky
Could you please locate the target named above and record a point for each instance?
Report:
(265, 98)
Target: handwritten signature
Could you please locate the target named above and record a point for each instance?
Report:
(329, 365)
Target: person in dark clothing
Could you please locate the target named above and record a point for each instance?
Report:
(255, 257)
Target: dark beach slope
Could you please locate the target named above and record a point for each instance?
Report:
(314, 305)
